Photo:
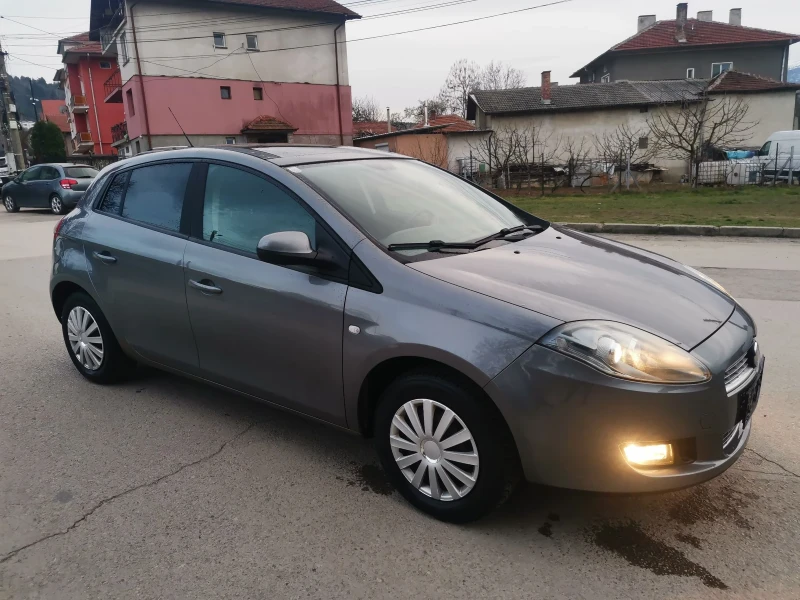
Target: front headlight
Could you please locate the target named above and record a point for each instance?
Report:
(625, 351)
(707, 279)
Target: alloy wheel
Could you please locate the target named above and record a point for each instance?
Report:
(85, 338)
(9, 203)
(434, 450)
(55, 204)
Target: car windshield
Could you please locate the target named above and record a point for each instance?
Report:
(408, 201)
(81, 172)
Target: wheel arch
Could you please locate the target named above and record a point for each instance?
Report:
(62, 291)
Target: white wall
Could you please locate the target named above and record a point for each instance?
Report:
(157, 31)
(770, 112)
(459, 145)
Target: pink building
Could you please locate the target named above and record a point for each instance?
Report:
(226, 71)
(89, 117)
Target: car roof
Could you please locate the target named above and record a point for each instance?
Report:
(63, 165)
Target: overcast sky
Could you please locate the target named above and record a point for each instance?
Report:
(399, 70)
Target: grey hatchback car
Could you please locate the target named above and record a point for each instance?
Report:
(477, 344)
(54, 186)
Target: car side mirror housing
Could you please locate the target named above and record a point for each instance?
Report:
(287, 248)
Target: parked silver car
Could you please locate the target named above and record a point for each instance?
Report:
(474, 341)
(54, 186)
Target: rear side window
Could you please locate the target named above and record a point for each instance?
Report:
(48, 174)
(154, 195)
(240, 208)
(112, 203)
(81, 172)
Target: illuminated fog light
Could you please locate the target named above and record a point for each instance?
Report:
(648, 455)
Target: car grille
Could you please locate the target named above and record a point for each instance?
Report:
(740, 370)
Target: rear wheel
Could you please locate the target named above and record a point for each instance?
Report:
(445, 448)
(10, 205)
(91, 343)
(56, 205)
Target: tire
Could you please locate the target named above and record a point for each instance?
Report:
(10, 204)
(57, 205)
(497, 470)
(113, 365)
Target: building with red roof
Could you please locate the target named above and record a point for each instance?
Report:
(89, 118)
(698, 48)
(56, 111)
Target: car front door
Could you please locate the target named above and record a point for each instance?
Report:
(271, 331)
(23, 190)
(135, 241)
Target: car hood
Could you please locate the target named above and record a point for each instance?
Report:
(572, 276)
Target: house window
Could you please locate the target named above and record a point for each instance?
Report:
(123, 48)
(718, 68)
(258, 93)
(131, 107)
(606, 78)
(689, 73)
(230, 141)
(252, 42)
(219, 40)
(643, 143)
(225, 92)
(104, 64)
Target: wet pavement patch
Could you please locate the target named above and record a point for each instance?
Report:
(689, 539)
(632, 543)
(702, 505)
(370, 478)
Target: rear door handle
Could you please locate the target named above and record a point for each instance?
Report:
(105, 257)
(206, 288)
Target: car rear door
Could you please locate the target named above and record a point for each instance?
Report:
(271, 331)
(44, 186)
(135, 241)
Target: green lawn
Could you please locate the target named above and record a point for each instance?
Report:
(760, 206)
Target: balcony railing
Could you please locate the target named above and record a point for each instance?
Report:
(107, 40)
(83, 142)
(113, 88)
(119, 133)
(77, 104)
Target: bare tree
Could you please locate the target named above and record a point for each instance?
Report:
(432, 150)
(498, 76)
(685, 133)
(366, 108)
(437, 105)
(575, 154)
(463, 79)
(624, 147)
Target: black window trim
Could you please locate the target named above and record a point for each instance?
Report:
(196, 221)
(183, 232)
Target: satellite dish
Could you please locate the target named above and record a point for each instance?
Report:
(63, 109)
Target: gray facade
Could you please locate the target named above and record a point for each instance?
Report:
(767, 61)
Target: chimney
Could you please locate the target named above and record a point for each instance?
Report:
(736, 16)
(388, 120)
(645, 21)
(546, 87)
(680, 22)
(705, 15)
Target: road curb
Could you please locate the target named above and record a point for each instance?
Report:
(695, 230)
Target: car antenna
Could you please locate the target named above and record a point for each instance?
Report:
(191, 145)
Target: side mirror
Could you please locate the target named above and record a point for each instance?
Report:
(287, 248)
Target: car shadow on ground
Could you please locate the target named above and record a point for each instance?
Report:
(665, 533)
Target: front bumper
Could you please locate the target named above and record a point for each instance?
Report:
(569, 421)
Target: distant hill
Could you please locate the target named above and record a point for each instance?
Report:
(794, 74)
(42, 90)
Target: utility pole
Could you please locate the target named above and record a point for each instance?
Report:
(9, 111)
(34, 100)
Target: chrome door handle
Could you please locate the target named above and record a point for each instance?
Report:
(204, 287)
(105, 257)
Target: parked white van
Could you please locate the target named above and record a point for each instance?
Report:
(781, 154)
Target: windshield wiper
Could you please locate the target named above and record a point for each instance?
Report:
(508, 231)
(432, 246)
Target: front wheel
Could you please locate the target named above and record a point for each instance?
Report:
(90, 341)
(10, 204)
(445, 447)
(56, 205)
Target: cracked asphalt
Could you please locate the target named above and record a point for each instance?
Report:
(163, 488)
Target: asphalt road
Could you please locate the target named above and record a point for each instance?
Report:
(162, 488)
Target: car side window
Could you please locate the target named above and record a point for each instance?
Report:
(48, 174)
(112, 202)
(31, 174)
(240, 208)
(154, 194)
